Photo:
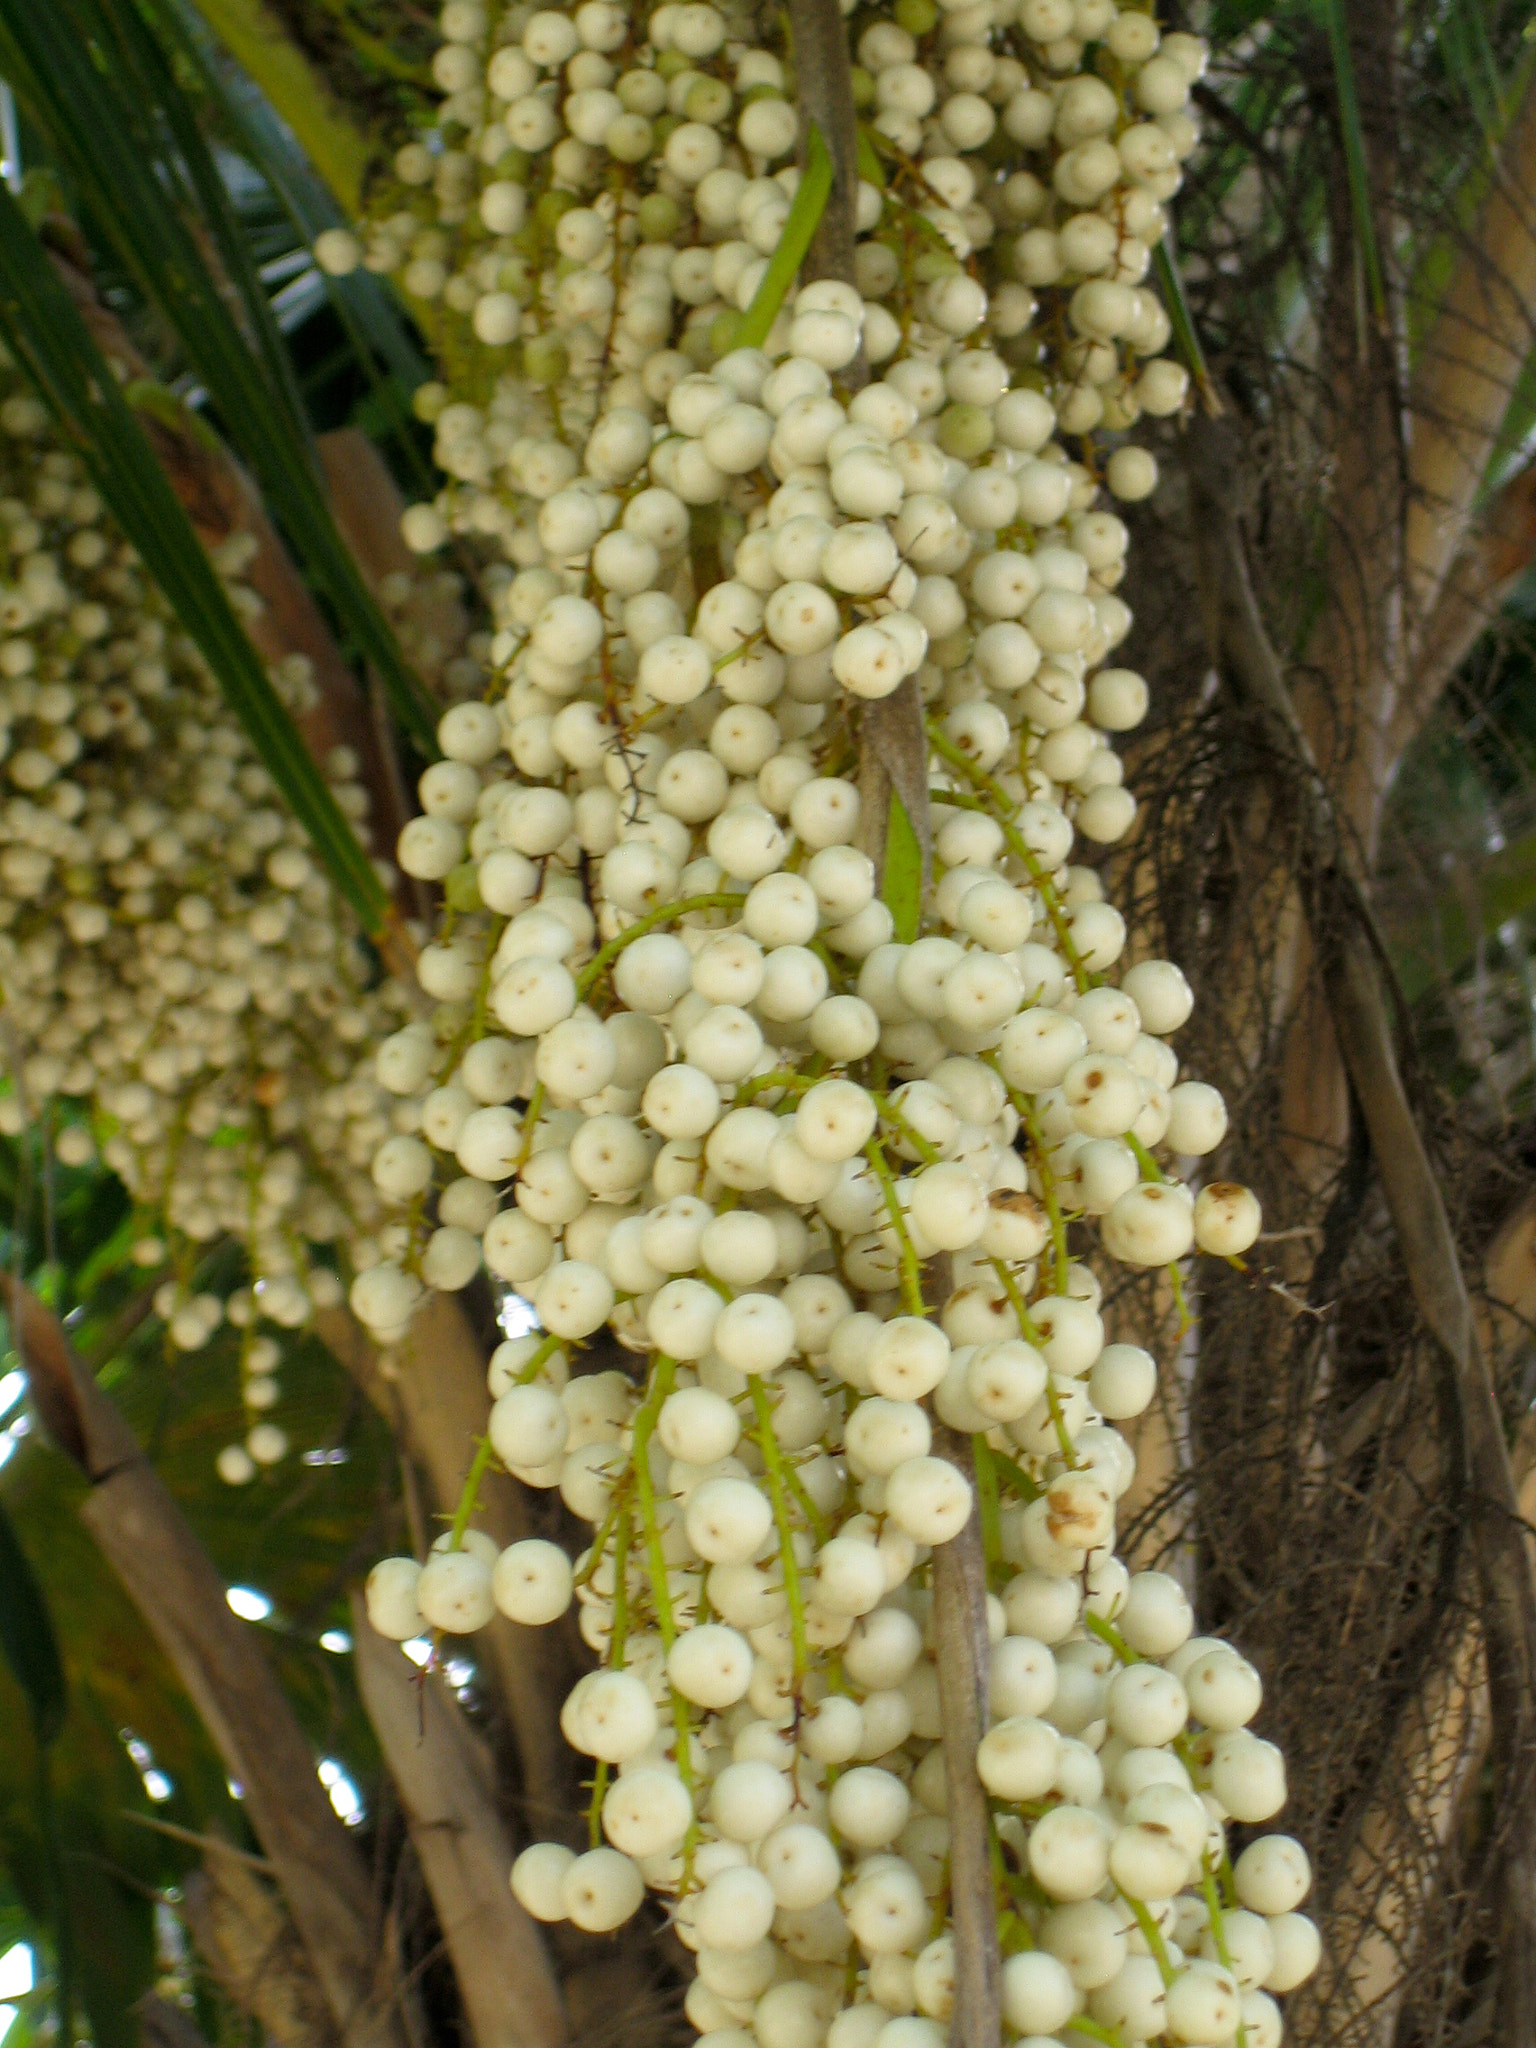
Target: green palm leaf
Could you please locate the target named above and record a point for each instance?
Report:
(1356, 167)
(98, 87)
(376, 330)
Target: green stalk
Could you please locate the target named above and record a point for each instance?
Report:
(773, 1465)
(1110, 2036)
(1018, 1479)
(470, 1492)
(1218, 1928)
(1011, 1288)
(623, 1531)
(987, 1498)
(531, 1124)
(1185, 334)
(1152, 1935)
(1000, 809)
(813, 1515)
(1026, 1108)
(761, 1084)
(911, 1269)
(920, 1145)
(1059, 1424)
(1358, 172)
(662, 1381)
(1150, 1170)
(1107, 1633)
(604, 958)
(339, 149)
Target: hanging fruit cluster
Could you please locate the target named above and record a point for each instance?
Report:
(184, 993)
(843, 1162)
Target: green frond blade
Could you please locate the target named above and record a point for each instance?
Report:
(362, 301)
(147, 70)
(901, 885)
(1186, 336)
(809, 204)
(1353, 133)
(27, 1639)
(64, 61)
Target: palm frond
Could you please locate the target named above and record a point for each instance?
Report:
(362, 301)
(101, 112)
(1352, 132)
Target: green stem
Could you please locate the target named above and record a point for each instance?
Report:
(1001, 809)
(662, 1379)
(605, 956)
(619, 1634)
(1018, 1479)
(1186, 335)
(1053, 1209)
(1011, 1288)
(595, 1807)
(1152, 1935)
(1000, 1883)
(1059, 1424)
(929, 1154)
(1181, 1299)
(1108, 1633)
(774, 1466)
(470, 1493)
(1218, 1929)
(805, 213)
(539, 1360)
(531, 1118)
(607, 1528)
(1081, 2024)
(911, 1269)
(780, 1077)
(1150, 1170)
(807, 1507)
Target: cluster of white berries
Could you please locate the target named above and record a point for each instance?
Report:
(688, 1080)
(184, 994)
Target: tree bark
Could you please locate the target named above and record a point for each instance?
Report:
(431, 1389)
(248, 1945)
(1469, 358)
(824, 93)
(445, 1783)
(173, 1582)
(962, 1657)
(1351, 951)
(1497, 554)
